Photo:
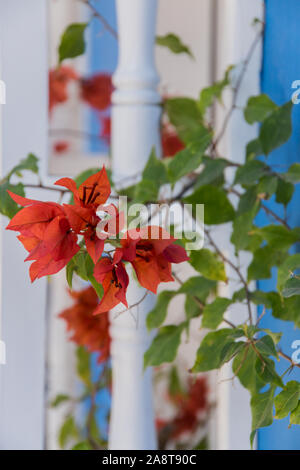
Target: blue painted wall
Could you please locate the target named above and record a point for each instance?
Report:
(281, 66)
(102, 53)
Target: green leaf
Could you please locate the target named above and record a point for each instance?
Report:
(264, 259)
(286, 309)
(9, 207)
(174, 44)
(85, 445)
(284, 192)
(217, 208)
(155, 170)
(239, 295)
(267, 186)
(83, 365)
(29, 163)
(289, 265)
(197, 286)
(61, 398)
(291, 287)
(276, 129)
(266, 346)
(72, 42)
(164, 346)
(260, 298)
(213, 313)
(250, 172)
(287, 400)
(248, 202)
(212, 92)
(265, 369)
(207, 263)
(79, 261)
(158, 315)
(146, 191)
(68, 432)
(230, 350)
(98, 287)
(242, 235)
(212, 171)
(262, 409)
(295, 415)
(211, 347)
(258, 108)
(182, 163)
(175, 387)
(253, 149)
(278, 236)
(244, 368)
(276, 337)
(192, 309)
(70, 269)
(184, 114)
(89, 268)
(293, 174)
(202, 445)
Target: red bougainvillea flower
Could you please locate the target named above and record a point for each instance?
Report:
(87, 329)
(190, 407)
(46, 233)
(97, 90)
(151, 250)
(95, 190)
(90, 195)
(61, 146)
(59, 79)
(114, 279)
(105, 133)
(171, 143)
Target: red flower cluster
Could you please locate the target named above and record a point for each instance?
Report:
(45, 233)
(150, 250)
(87, 329)
(59, 79)
(190, 409)
(50, 232)
(61, 146)
(170, 142)
(97, 90)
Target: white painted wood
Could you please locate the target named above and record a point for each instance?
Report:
(24, 129)
(135, 129)
(235, 34)
(61, 374)
(193, 22)
(71, 115)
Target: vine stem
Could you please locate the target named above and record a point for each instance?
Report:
(285, 356)
(98, 15)
(265, 208)
(236, 269)
(237, 88)
(198, 301)
(136, 304)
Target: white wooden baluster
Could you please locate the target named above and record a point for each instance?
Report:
(135, 129)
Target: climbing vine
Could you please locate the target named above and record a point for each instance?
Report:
(85, 232)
